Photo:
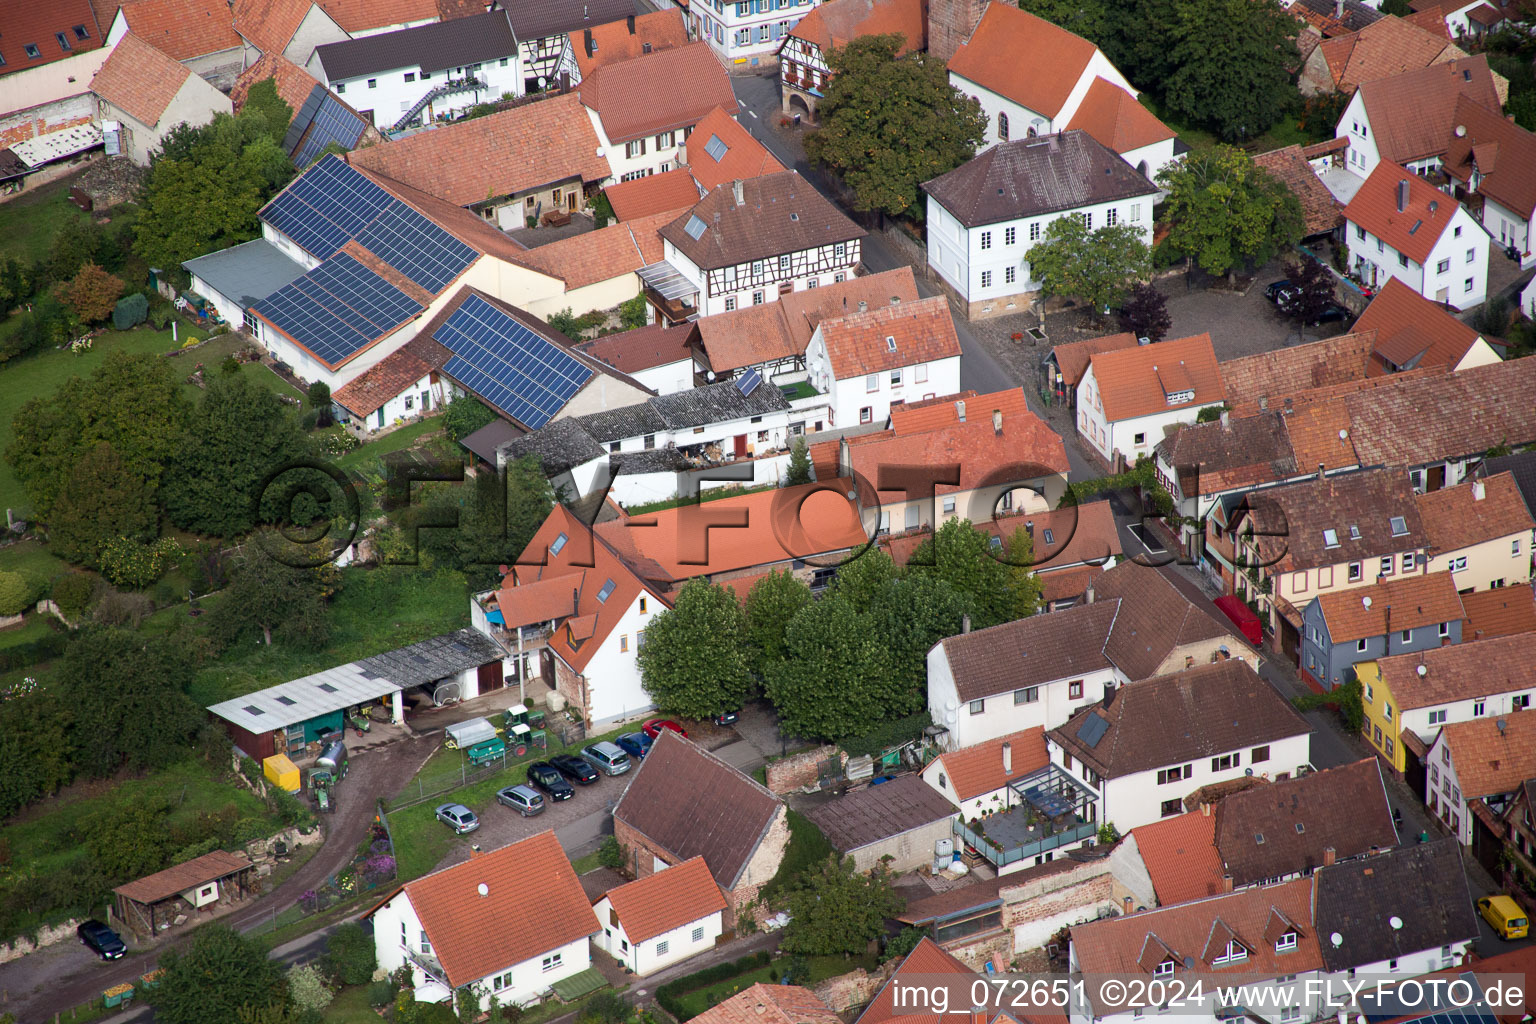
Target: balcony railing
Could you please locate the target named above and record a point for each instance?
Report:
(428, 964)
(1003, 854)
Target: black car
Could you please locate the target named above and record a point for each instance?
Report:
(101, 940)
(1279, 291)
(727, 717)
(575, 768)
(547, 777)
(1333, 314)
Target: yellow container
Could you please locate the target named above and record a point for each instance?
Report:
(281, 772)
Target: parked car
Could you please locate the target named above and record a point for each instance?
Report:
(101, 940)
(1332, 314)
(635, 744)
(1280, 291)
(575, 768)
(458, 817)
(727, 717)
(654, 726)
(525, 800)
(1505, 916)
(547, 777)
(608, 758)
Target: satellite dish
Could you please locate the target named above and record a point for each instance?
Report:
(599, 150)
(1343, 435)
(1422, 671)
(1366, 601)
(1396, 923)
(541, 81)
(484, 889)
(1461, 131)
(1336, 939)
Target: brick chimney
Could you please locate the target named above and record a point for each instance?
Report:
(1226, 883)
(587, 43)
(629, 23)
(1329, 856)
(1130, 905)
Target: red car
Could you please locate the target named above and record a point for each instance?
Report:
(654, 726)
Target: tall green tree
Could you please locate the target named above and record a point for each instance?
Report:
(912, 614)
(1096, 267)
(861, 581)
(262, 98)
(696, 659)
(239, 437)
(100, 501)
(275, 599)
(835, 909)
(464, 415)
(144, 719)
(799, 470)
(1224, 211)
(477, 526)
(132, 402)
(834, 679)
(888, 124)
(1231, 65)
(994, 591)
(771, 603)
(220, 973)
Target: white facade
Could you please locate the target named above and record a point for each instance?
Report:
(1508, 227)
(390, 95)
(642, 157)
(418, 399)
(1502, 562)
(1021, 121)
(1456, 271)
(992, 261)
(868, 398)
(1442, 791)
(1362, 156)
(196, 103)
(972, 807)
(747, 33)
(1129, 801)
(1134, 437)
(1047, 705)
(614, 693)
(1495, 705)
(659, 951)
(668, 378)
(758, 281)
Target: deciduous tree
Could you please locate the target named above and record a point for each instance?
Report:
(888, 124)
(994, 590)
(92, 293)
(1231, 65)
(830, 644)
(465, 415)
(1095, 267)
(1224, 211)
(350, 956)
(836, 909)
(220, 972)
(99, 502)
(771, 603)
(1145, 313)
(696, 658)
(276, 599)
(144, 719)
(1311, 295)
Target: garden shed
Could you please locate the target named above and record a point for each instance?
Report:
(901, 819)
(461, 665)
(153, 903)
(283, 719)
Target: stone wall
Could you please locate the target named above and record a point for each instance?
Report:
(975, 950)
(800, 770)
(857, 988)
(1045, 901)
(47, 936)
(23, 125)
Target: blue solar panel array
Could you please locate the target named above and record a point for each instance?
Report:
(416, 247)
(338, 308)
(332, 123)
(524, 375)
(1092, 730)
(327, 206)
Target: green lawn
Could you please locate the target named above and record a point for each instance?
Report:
(29, 222)
(361, 458)
(820, 969)
(351, 1007)
(1283, 132)
(213, 354)
(32, 556)
(34, 628)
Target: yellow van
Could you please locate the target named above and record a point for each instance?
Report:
(1506, 916)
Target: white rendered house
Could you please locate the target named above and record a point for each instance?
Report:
(1127, 398)
(656, 921)
(1400, 226)
(1410, 119)
(868, 362)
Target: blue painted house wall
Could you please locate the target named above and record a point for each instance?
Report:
(1327, 661)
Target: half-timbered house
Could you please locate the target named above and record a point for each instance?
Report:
(543, 28)
(803, 70)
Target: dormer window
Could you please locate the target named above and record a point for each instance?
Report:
(1234, 953)
(1180, 397)
(1285, 943)
(1330, 538)
(1163, 970)
(1399, 526)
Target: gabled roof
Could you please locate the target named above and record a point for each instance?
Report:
(1023, 58)
(778, 214)
(1502, 152)
(927, 958)
(1495, 613)
(540, 19)
(836, 23)
(1409, 327)
(889, 337)
(293, 83)
(511, 151)
(269, 25)
(1456, 518)
(1492, 756)
(1395, 904)
(601, 255)
(1412, 229)
(1180, 856)
(645, 347)
(1199, 712)
(1334, 17)
(655, 193)
(1154, 619)
(1114, 118)
(743, 156)
(1072, 357)
(1444, 415)
(1035, 176)
(770, 1004)
(530, 880)
(978, 769)
(1410, 602)
(31, 23)
(434, 47)
(1032, 651)
(139, 80)
(660, 902)
(1462, 671)
(875, 813)
(1225, 455)
(1284, 372)
(1412, 115)
(182, 29)
(657, 92)
(358, 16)
(633, 36)
(1391, 46)
(1139, 381)
(690, 803)
(366, 394)
(1319, 209)
(1344, 809)
(1320, 520)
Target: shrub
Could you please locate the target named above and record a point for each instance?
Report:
(380, 994)
(161, 315)
(133, 563)
(350, 958)
(632, 312)
(119, 609)
(130, 312)
(606, 1007)
(308, 990)
(319, 395)
(16, 593)
(611, 854)
(667, 995)
(33, 651)
(73, 593)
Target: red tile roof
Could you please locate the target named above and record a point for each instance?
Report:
(744, 157)
(182, 29)
(1318, 207)
(1407, 325)
(1492, 755)
(269, 25)
(860, 343)
(601, 255)
(35, 23)
(294, 84)
(657, 92)
(1503, 153)
(512, 151)
(161, 885)
(1113, 117)
(1382, 49)
(1464, 671)
(1412, 115)
(392, 375)
(1456, 517)
(1495, 613)
(978, 770)
(836, 23)
(620, 40)
(1415, 229)
(642, 348)
(357, 16)
(531, 881)
(770, 1004)
(669, 899)
(1181, 857)
(926, 959)
(656, 193)
(1023, 58)
(139, 80)
(1412, 602)
(1137, 381)
(1072, 357)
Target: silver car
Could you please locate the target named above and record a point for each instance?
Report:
(458, 817)
(608, 758)
(525, 800)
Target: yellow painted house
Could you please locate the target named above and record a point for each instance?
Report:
(1383, 718)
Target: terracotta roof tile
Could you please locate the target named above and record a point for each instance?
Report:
(182, 29)
(139, 79)
(658, 903)
(690, 803)
(744, 156)
(1456, 518)
(860, 343)
(1072, 357)
(187, 875)
(32, 22)
(1154, 618)
(657, 92)
(1492, 755)
(1318, 207)
(1464, 671)
(294, 84)
(770, 1004)
(1502, 612)
(1444, 415)
(396, 372)
(1067, 584)
(1023, 58)
(1413, 230)
(355, 16)
(1503, 153)
(1407, 325)
(601, 255)
(511, 151)
(642, 348)
(1284, 372)
(1129, 385)
(1114, 117)
(978, 770)
(1431, 20)
(1412, 114)
(269, 25)
(1079, 534)
(779, 213)
(1181, 857)
(925, 960)
(1412, 602)
(949, 410)
(1312, 519)
(530, 880)
(620, 40)
(1028, 652)
(1202, 711)
(837, 22)
(1391, 46)
(1210, 458)
(656, 193)
(1320, 436)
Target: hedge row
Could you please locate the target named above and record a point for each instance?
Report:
(667, 995)
(33, 651)
(886, 735)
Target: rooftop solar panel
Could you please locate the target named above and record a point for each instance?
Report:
(1092, 730)
(332, 122)
(416, 247)
(327, 205)
(337, 308)
(526, 376)
(749, 381)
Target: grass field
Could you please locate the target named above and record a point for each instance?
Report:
(33, 557)
(29, 222)
(34, 628)
(362, 459)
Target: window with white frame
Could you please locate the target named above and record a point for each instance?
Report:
(1010, 235)
(1226, 762)
(1458, 564)
(501, 981)
(949, 506)
(1135, 212)
(986, 279)
(1234, 953)
(872, 382)
(896, 378)
(1285, 943)
(1010, 274)
(662, 947)
(634, 149)
(1437, 717)
(920, 375)
(1111, 216)
(986, 239)
(1163, 970)
(1034, 232)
